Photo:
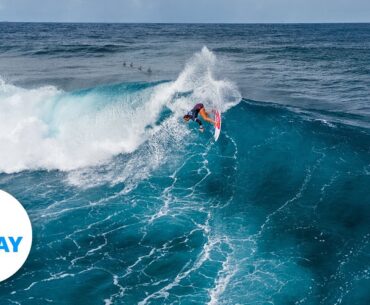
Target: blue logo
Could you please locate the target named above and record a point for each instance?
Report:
(11, 245)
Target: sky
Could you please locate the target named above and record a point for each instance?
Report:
(213, 11)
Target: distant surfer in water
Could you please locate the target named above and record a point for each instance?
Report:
(193, 115)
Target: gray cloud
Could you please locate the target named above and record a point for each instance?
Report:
(186, 10)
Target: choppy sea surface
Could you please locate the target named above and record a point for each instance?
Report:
(129, 205)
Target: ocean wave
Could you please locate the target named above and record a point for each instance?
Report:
(84, 50)
(47, 128)
(230, 50)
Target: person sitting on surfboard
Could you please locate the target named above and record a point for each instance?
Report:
(193, 115)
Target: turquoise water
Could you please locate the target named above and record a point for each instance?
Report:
(131, 206)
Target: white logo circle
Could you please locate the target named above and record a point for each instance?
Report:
(15, 235)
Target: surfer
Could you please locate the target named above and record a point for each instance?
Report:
(193, 115)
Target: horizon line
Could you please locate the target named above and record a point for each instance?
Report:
(151, 22)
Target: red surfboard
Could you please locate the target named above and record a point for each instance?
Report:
(218, 124)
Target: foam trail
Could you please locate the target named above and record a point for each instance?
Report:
(47, 128)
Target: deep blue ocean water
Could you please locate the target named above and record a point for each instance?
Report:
(129, 205)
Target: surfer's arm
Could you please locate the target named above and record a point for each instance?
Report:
(201, 128)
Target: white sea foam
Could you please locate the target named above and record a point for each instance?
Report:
(47, 128)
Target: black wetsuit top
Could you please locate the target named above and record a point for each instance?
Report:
(194, 113)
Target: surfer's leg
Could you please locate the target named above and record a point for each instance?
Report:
(205, 116)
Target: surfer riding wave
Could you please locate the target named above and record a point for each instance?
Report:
(193, 115)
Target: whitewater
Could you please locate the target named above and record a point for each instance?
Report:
(130, 205)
